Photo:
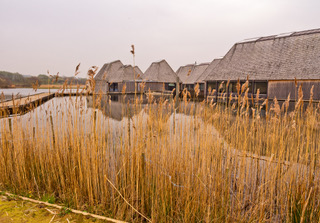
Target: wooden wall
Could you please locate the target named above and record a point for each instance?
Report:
(130, 87)
(281, 89)
(102, 86)
(154, 86)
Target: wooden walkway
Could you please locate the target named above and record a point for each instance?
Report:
(20, 106)
(23, 104)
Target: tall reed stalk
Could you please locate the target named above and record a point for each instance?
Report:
(163, 163)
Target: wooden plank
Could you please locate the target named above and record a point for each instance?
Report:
(24, 100)
(23, 105)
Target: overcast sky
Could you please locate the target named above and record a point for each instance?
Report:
(55, 35)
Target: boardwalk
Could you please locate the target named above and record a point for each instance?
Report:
(23, 104)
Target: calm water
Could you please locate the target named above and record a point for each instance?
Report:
(17, 92)
(112, 113)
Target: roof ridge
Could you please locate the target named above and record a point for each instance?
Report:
(114, 61)
(280, 35)
(201, 64)
(159, 61)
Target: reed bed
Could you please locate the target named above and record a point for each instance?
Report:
(168, 160)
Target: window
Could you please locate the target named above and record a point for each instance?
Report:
(250, 86)
(211, 86)
(189, 87)
(114, 87)
(233, 87)
(222, 86)
(169, 86)
(201, 86)
(114, 98)
(263, 86)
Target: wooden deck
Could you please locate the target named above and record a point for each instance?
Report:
(23, 104)
(23, 100)
(20, 106)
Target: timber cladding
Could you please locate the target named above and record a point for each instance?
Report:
(101, 86)
(130, 86)
(154, 86)
(282, 88)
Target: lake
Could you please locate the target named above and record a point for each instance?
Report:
(17, 92)
(112, 112)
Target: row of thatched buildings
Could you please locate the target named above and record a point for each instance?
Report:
(277, 65)
(116, 77)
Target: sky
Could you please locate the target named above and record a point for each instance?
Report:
(57, 35)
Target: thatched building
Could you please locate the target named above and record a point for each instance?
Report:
(160, 77)
(102, 77)
(184, 72)
(125, 75)
(190, 75)
(272, 63)
(113, 76)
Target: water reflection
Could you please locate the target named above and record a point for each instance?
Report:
(118, 107)
(110, 113)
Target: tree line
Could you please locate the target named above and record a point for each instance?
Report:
(16, 80)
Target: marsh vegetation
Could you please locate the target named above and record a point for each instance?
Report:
(168, 159)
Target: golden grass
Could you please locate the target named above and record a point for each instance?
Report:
(167, 161)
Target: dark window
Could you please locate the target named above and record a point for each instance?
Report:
(211, 86)
(222, 86)
(233, 87)
(250, 86)
(114, 87)
(170, 86)
(189, 87)
(201, 86)
(114, 98)
(263, 86)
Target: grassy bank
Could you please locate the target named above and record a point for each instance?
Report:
(165, 162)
(13, 209)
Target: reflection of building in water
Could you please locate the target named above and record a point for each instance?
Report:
(114, 75)
(118, 106)
(160, 77)
(192, 74)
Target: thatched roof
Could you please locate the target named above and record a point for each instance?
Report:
(196, 73)
(126, 73)
(184, 72)
(278, 57)
(190, 73)
(108, 70)
(160, 72)
(208, 70)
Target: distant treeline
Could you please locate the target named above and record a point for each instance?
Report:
(11, 80)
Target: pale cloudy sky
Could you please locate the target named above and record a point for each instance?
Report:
(55, 35)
